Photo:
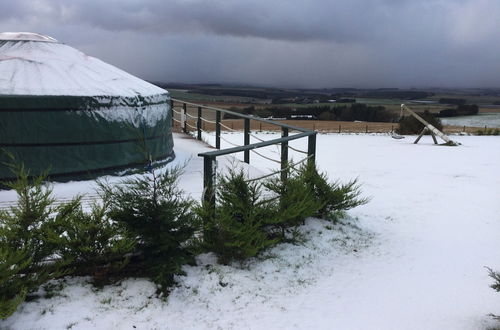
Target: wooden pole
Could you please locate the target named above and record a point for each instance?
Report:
(284, 154)
(246, 157)
(217, 129)
(209, 171)
(184, 117)
(198, 124)
(311, 148)
(421, 134)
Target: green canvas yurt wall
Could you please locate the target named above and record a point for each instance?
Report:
(74, 115)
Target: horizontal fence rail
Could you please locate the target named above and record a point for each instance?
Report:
(194, 118)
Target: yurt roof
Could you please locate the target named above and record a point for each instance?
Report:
(34, 64)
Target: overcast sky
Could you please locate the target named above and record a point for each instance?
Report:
(293, 43)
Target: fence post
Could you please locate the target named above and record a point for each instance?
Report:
(339, 128)
(217, 130)
(246, 156)
(184, 117)
(284, 154)
(366, 131)
(198, 124)
(209, 171)
(311, 147)
(172, 111)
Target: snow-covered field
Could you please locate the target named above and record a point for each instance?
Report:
(412, 258)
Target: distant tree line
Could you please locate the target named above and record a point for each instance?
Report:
(354, 112)
(461, 110)
(396, 94)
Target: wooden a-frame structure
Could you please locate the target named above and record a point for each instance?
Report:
(429, 128)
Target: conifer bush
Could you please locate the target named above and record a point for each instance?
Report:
(236, 231)
(333, 196)
(294, 202)
(495, 286)
(40, 241)
(13, 284)
(88, 242)
(23, 240)
(157, 215)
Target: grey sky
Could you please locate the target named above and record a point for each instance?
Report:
(318, 43)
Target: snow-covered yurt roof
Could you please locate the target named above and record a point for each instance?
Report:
(34, 64)
(63, 110)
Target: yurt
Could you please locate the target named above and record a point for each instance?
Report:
(75, 116)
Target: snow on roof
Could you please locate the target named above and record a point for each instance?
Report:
(31, 67)
(26, 36)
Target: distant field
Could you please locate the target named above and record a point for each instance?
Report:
(473, 99)
(373, 101)
(193, 97)
(320, 126)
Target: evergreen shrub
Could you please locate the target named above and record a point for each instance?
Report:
(294, 201)
(495, 286)
(23, 240)
(236, 230)
(88, 243)
(333, 197)
(157, 215)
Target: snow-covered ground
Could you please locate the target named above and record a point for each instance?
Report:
(412, 258)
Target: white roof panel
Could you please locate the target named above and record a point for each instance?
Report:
(31, 67)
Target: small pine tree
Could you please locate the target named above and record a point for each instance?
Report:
(294, 202)
(495, 286)
(89, 243)
(23, 246)
(496, 277)
(14, 285)
(236, 231)
(332, 196)
(159, 218)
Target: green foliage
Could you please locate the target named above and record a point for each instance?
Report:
(40, 241)
(250, 217)
(496, 277)
(236, 231)
(23, 224)
(410, 125)
(23, 240)
(352, 112)
(332, 196)
(295, 201)
(495, 286)
(156, 214)
(89, 243)
(13, 285)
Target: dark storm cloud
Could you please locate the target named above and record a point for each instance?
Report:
(373, 43)
(344, 20)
